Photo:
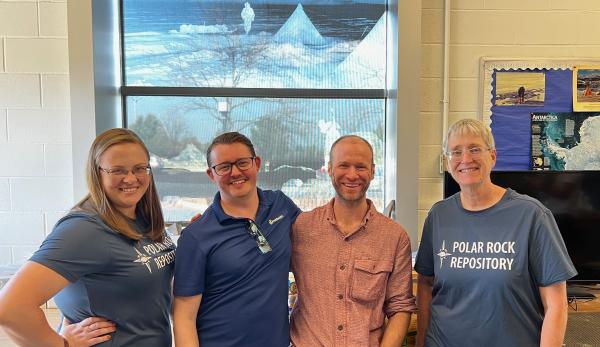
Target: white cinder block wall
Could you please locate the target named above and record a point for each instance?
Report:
(36, 185)
(491, 28)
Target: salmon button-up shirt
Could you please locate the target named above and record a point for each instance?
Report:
(347, 284)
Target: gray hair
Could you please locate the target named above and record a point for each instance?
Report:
(469, 126)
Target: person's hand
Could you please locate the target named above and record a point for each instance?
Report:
(196, 216)
(88, 332)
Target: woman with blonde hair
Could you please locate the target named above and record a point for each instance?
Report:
(109, 259)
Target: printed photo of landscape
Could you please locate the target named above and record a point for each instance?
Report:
(588, 85)
(520, 88)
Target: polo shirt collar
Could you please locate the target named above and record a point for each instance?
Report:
(264, 202)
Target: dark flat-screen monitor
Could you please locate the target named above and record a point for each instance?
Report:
(574, 199)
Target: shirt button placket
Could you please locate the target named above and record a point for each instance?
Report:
(343, 276)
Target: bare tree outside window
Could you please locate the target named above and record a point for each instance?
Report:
(220, 49)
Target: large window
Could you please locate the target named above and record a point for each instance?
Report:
(291, 77)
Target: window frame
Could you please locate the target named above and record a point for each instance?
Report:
(283, 93)
(96, 103)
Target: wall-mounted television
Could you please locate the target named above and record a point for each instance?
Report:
(574, 199)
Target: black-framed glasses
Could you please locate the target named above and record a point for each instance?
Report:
(259, 237)
(457, 154)
(242, 164)
(120, 172)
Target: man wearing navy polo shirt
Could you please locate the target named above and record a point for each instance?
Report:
(231, 265)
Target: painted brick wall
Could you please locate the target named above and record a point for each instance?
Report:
(36, 185)
(491, 28)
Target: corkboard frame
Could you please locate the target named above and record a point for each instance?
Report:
(487, 66)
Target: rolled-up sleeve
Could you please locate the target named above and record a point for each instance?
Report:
(399, 294)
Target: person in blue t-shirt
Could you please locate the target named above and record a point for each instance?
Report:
(492, 264)
(232, 263)
(108, 263)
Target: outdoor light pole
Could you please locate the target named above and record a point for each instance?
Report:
(223, 108)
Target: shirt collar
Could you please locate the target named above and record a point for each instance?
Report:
(264, 202)
(330, 215)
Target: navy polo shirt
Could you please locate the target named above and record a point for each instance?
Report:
(244, 292)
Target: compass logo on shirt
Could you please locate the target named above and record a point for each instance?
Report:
(443, 253)
(143, 259)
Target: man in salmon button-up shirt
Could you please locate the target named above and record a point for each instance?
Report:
(352, 264)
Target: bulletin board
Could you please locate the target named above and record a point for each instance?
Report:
(508, 111)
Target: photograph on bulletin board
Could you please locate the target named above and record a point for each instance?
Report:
(586, 88)
(520, 88)
(565, 141)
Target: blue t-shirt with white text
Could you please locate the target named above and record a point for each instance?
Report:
(488, 266)
(112, 276)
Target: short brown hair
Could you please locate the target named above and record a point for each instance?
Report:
(148, 208)
(228, 139)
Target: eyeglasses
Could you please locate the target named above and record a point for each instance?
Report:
(119, 172)
(457, 154)
(242, 164)
(257, 235)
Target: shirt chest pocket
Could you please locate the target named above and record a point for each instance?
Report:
(369, 278)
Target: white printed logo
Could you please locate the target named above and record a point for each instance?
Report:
(143, 259)
(275, 220)
(479, 255)
(443, 253)
(155, 252)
